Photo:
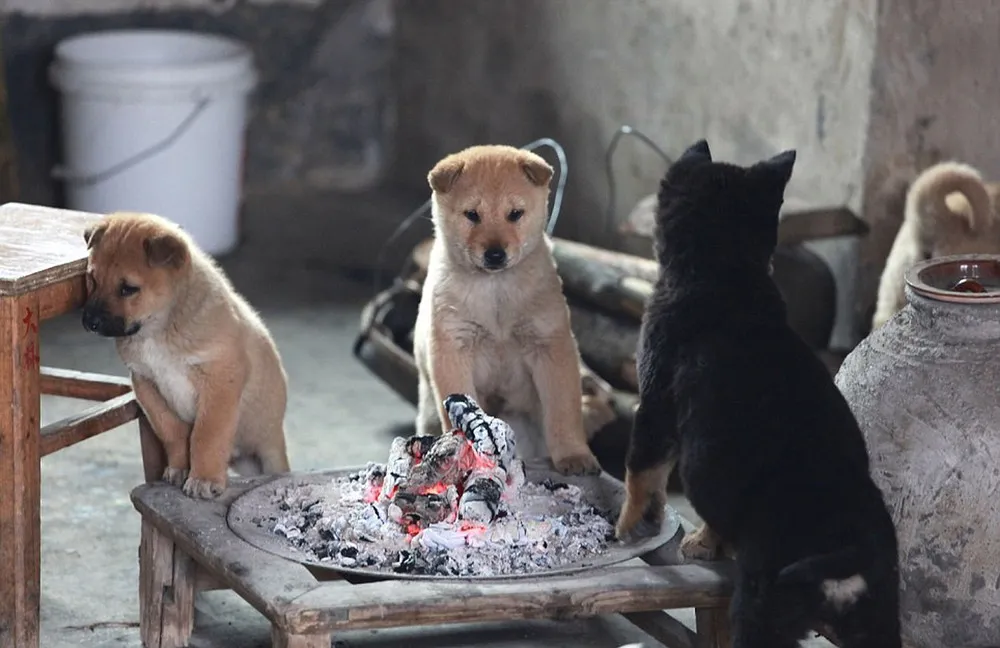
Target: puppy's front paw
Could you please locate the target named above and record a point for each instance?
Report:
(581, 463)
(703, 544)
(203, 488)
(175, 476)
(640, 518)
(645, 503)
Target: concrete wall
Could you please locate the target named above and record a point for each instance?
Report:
(753, 77)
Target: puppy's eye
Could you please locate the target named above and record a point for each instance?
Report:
(515, 215)
(127, 290)
(472, 215)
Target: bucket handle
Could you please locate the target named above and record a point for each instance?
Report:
(61, 173)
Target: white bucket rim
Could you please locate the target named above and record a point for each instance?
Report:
(229, 69)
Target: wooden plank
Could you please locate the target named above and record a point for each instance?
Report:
(200, 529)
(20, 473)
(88, 423)
(281, 639)
(664, 628)
(61, 297)
(40, 246)
(166, 591)
(713, 627)
(388, 604)
(154, 457)
(79, 384)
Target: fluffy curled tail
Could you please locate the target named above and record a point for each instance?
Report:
(927, 197)
(929, 213)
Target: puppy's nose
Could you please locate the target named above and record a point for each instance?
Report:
(494, 257)
(91, 320)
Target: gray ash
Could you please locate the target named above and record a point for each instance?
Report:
(539, 529)
(455, 505)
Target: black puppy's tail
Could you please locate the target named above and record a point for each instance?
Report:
(813, 570)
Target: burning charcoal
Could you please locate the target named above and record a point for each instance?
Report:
(397, 469)
(418, 446)
(554, 486)
(490, 436)
(404, 562)
(325, 533)
(425, 509)
(439, 536)
(374, 477)
(442, 464)
(480, 501)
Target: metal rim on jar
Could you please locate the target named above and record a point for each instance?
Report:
(932, 278)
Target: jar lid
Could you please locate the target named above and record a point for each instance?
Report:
(959, 279)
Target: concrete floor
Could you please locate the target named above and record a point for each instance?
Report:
(338, 415)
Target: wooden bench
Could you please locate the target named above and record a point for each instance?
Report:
(187, 547)
(42, 265)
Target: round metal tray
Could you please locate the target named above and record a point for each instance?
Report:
(603, 491)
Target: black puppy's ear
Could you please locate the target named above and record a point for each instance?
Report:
(93, 233)
(698, 150)
(165, 250)
(780, 166)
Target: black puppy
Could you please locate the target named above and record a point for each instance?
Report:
(768, 450)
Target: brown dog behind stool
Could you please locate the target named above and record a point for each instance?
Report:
(203, 365)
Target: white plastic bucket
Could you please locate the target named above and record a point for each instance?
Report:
(154, 121)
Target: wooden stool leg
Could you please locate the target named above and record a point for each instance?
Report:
(20, 473)
(166, 591)
(713, 627)
(154, 459)
(281, 639)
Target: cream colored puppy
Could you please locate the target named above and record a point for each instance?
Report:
(204, 367)
(493, 321)
(949, 210)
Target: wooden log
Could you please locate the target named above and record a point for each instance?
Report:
(599, 283)
(800, 222)
(607, 344)
(628, 264)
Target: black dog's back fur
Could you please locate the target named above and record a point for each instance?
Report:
(770, 455)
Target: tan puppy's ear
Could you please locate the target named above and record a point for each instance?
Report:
(445, 174)
(93, 233)
(165, 250)
(538, 171)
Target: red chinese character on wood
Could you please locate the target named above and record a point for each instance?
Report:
(29, 324)
(30, 358)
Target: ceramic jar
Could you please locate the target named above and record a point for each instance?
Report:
(925, 388)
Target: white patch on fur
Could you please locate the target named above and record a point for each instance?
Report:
(842, 593)
(152, 359)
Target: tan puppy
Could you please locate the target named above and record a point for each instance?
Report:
(949, 210)
(203, 366)
(493, 321)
